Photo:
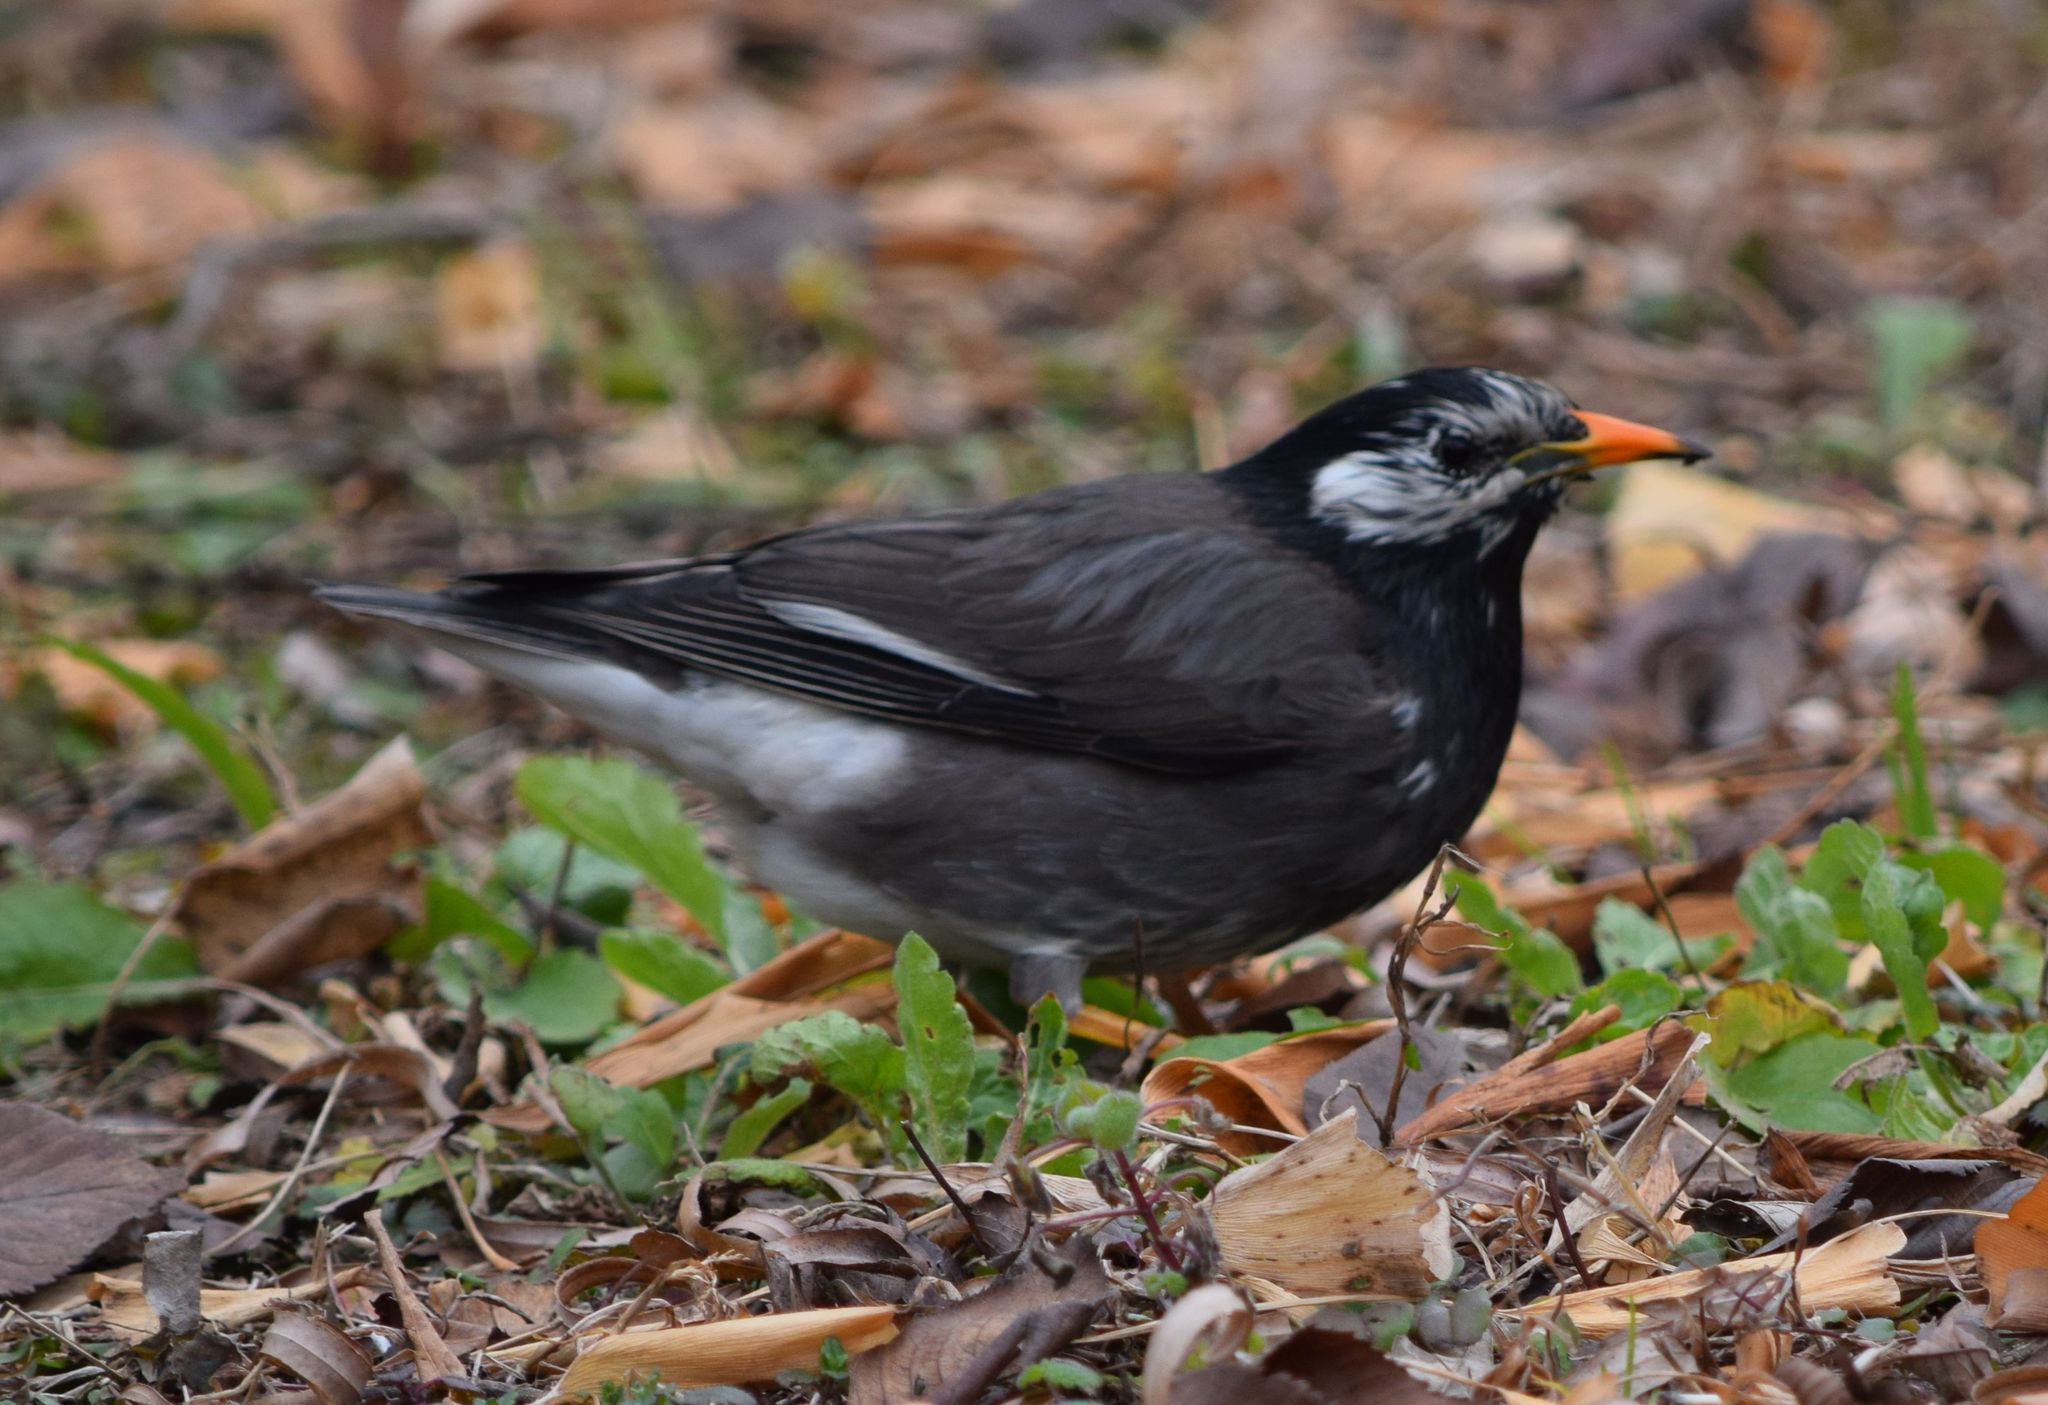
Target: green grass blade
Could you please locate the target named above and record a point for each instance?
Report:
(235, 769)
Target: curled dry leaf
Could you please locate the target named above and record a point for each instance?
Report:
(1211, 1316)
(1039, 1304)
(2012, 1254)
(319, 1354)
(326, 883)
(764, 998)
(1331, 1215)
(730, 1353)
(1850, 1273)
(1263, 1088)
(63, 1189)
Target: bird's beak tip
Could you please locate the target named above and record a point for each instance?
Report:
(1617, 441)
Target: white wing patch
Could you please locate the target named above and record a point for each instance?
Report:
(844, 624)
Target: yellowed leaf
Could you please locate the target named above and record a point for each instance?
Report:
(730, 1353)
(1670, 521)
(1331, 1215)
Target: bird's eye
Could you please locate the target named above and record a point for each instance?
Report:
(1461, 455)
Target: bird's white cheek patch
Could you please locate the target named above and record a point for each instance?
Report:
(1375, 498)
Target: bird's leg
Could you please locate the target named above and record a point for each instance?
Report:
(1036, 974)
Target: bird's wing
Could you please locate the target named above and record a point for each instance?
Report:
(1139, 620)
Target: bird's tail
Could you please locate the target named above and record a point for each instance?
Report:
(496, 618)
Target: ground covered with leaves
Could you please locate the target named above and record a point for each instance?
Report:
(370, 1035)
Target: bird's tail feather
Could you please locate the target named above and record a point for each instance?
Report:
(451, 619)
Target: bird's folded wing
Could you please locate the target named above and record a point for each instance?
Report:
(1175, 640)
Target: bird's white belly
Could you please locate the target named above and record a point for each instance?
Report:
(782, 755)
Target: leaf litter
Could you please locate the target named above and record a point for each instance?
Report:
(1715, 1073)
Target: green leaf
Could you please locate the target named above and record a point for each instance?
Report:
(751, 1128)
(1796, 934)
(1835, 869)
(1057, 1374)
(454, 912)
(1223, 1047)
(644, 1120)
(631, 815)
(1625, 938)
(1644, 997)
(1914, 341)
(837, 1049)
(1898, 922)
(567, 997)
(662, 963)
(1534, 956)
(586, 1100)
(531, 859)
(60, 950)
(247, 787)
(1915, 799)
(756, 1170)
(938, 1049)
(1791, 1085)
(1968, 876)
(1110, 1122)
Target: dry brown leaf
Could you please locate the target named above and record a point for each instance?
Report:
(986, 227)
(64, 1188)
(1331, 1215)
(322, 884)
(36, 461)
(488, 307)
(1848, 1273)
(1263, 1088)
(319, 1354)
(730, 1353)
(950, 1356)
(1668, 522)
(2012, 1254)
(89, 694)
(708, 157)
(431, 1356)
(124, 1309)
(1213, 1317)
(761, 1000)
(1647, 1058)
(129, 203)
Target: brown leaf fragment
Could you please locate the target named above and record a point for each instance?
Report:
(1319, 1365)
(1331, 1215)
(2012, 1254)
(325, 883)
(1881, 1187)
(1263, 1088)
(124, 1309)
(47, 462)
(431, 1356)
(1647, 1058)
(1045, 1300)
(319, 1354)
(730, 1353)
(64, 1188)
(849, 1264)
(1954, 1353)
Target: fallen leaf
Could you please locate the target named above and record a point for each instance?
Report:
(89, 694)
(64, 1188)
(124, 1309)
(730, 1353)
(2012, 1254)
(1331, 1215)
(123, 205)
(323, 884)
(40, 461)
(1318, 1365)
(1263, 1088)
(1669, 521)
(1647, 1058)
(487, 305)
(319, 1354)
(709, 157)
(1849, 1273)
(1039, 1304)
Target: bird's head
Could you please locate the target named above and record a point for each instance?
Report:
(1451, 455)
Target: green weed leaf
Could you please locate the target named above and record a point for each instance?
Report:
(938, 1049)
(60, 950)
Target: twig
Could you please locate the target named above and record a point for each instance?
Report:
(966, 1215)
(1555, 1192)
(284, 1187)
(476, 1235)
(1397, 991)
(431, 1356)
(121, 979)
(1671, 925)
(1166, 1250)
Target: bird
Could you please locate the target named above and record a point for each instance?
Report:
(1157, 721)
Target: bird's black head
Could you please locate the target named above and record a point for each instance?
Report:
(1445, 455)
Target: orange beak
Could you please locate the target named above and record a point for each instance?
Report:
(1612, 441)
